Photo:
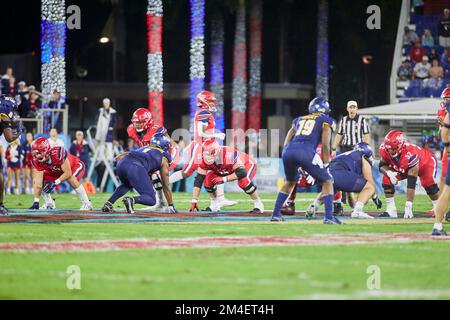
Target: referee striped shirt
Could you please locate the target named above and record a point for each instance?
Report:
(353, 130)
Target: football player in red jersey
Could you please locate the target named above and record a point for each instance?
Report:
(401, 160)
(204, 129)
(222, 164)
(53, 166)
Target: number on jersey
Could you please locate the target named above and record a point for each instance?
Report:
(305, 127)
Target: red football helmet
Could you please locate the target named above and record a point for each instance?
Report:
(445, 96)
(142, 119)
(394, 142)
(210, 151)
(207, 100)
(40, 149)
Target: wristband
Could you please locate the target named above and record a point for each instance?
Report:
(57, 181)
(446, 144)
(333, 149)
(224, 179)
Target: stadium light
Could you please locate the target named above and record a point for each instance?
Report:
(104, 40)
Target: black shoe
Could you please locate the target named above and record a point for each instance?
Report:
(207, 209)
(437, 232)
(108, 207)
(338, 209)
(384, 215)
(255, 210)
(3, 210)
(128, 202)
(447, 216)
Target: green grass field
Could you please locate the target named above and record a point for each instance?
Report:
(408, 269)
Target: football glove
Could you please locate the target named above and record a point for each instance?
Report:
(49, 187)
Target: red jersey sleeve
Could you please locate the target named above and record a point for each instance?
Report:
(58, 155)
(132, 133)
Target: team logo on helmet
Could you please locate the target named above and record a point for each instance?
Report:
(40, 149)
(142, 119)
(394, 142)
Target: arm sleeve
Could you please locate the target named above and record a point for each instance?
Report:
(341, 127)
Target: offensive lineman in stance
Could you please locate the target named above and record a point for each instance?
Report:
(53, 166)
(352, 172)
(300, 152)
(400, 160)
(135, 168)
(204, 129)
(222, 164)
(444, 198)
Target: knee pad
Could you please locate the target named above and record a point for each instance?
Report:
(388, 189)
(250, 188)
(433, 189)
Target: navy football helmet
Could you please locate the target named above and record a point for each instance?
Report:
(366, 151)
(161, 141)
(319, 105)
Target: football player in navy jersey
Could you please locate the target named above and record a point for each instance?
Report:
(300, 153)
(135, 168)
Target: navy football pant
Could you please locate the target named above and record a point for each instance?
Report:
(133, 175)
(346, 180)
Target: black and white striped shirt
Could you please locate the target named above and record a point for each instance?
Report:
(353, 130)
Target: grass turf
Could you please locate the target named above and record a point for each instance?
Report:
(408, 270)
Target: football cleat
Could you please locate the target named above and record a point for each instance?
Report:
(338, 209)
(128, 203)
(360, 215)
(3, 210)
(387, 215)
(227, 203)
(288, 209)
(277, 218)
(333, 220)
(256, 210)
(48, 206)
(108, 207)
(311, 211)
(86, 207)
(437, 232)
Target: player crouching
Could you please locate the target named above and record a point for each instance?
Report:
(352, 172)
(401, 160)
(222, 164)
(135, 168)
(53, 166)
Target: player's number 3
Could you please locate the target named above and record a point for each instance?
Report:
(306, 127)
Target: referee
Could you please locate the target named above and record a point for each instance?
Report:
(353, 129)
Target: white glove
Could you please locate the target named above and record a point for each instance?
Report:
(408, 210)
(392, 176)
(219, 135)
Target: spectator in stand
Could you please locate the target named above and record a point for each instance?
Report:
(12, 89)
(417, 52)
(421, 69)
(33, 105)
(427, 39)
(54, 140)
(417, 5)
(22, 90)
(410, 37)
(436, 71)
(27, 165)
(80, 148)
(56, 102)
(405, 71)
(5, 80)
(444, 29)
(433, 55)
(13, 157)
(445, 60)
